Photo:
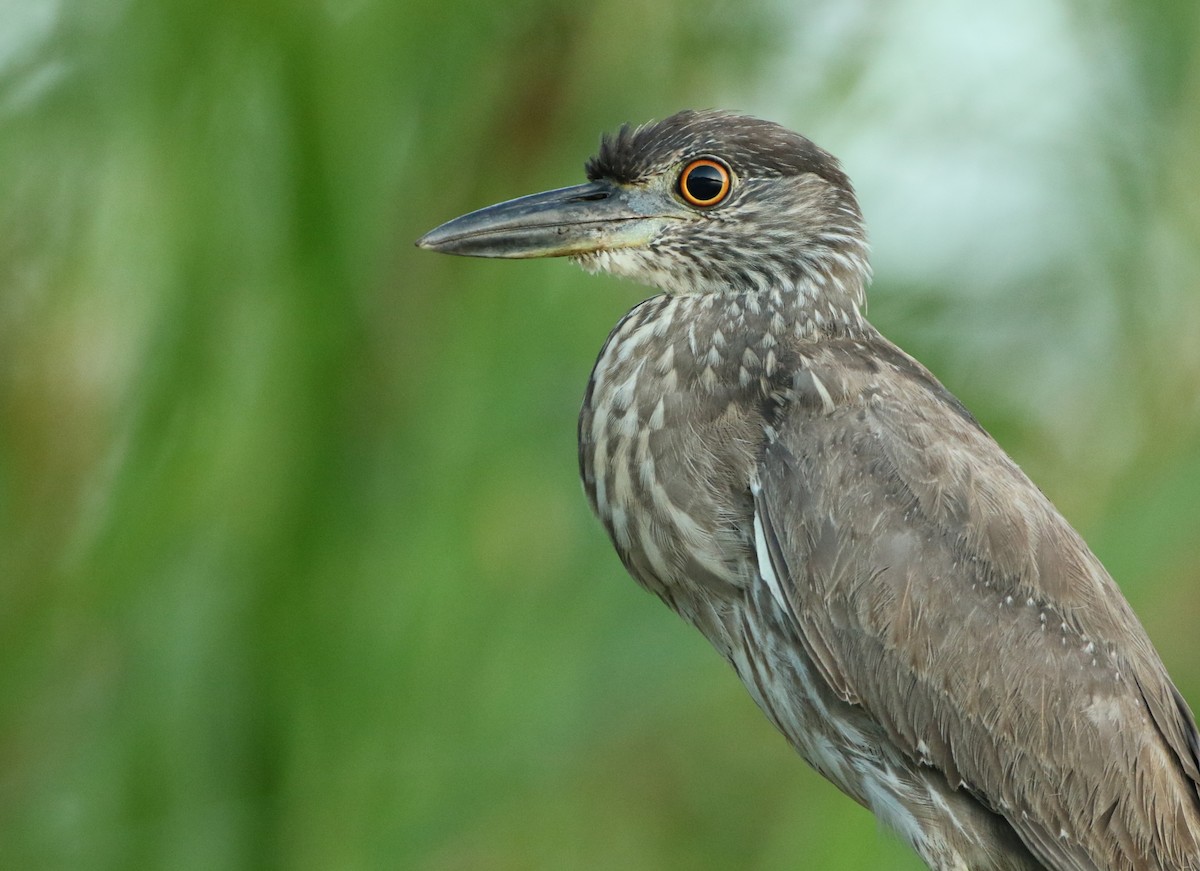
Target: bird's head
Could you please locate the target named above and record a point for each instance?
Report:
(702, 202)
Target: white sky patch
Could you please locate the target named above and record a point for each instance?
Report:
(995, 149)
(27, 26)
(964, 130)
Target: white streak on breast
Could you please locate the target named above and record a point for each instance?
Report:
(626, 426)
(666, 317)
(635, 340)
(620, 526)
(654, 555)
(622, 394)
(658, 415)
(666, 360)
(600, 467)
(622, 480)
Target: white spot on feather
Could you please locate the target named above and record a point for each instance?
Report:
(665, 318)
(620, 525)
(657, 417)
(665, 361)
(765, 569)
(623, 393)
(823, 392)
(651, 550)
(1104, 711)
(626, 425)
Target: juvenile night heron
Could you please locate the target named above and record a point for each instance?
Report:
(900, 600)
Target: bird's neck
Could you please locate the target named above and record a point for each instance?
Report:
(828, 282)
(829, 295)
(821, 289)
(719, 342)
(816, 298)
(801, 312)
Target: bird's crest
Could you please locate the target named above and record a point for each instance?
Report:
(753, 147)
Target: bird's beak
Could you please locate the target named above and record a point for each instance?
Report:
(569, 221)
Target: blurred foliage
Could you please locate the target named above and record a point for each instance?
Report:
(294, 567)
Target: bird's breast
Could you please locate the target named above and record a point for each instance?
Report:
(671, 428)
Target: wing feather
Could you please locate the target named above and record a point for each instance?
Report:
(932, 583)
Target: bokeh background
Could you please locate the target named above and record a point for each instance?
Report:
(295, 571)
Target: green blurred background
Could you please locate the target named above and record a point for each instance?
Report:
(295, 571)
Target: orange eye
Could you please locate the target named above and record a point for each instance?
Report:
(704, 182)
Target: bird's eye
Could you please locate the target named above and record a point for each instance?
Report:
(704, 182)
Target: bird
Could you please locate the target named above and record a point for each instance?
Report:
(900, 600)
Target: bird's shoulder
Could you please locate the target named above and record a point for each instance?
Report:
(864, 417)
(934, 584)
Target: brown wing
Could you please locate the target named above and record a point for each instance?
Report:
(936, 586)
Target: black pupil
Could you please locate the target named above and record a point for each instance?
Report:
(704, 183)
